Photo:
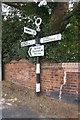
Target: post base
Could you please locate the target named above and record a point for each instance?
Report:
(38, 93)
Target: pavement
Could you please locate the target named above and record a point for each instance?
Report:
(9, 111)
(18, 112)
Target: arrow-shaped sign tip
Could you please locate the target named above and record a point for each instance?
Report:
(29, 51)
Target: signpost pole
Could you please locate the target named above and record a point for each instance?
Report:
(37, 68)
(38, 23)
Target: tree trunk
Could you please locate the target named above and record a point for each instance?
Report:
(58, 16)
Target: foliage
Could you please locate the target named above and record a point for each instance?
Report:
(65, 50)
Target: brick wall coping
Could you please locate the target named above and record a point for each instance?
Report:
(21, 61)
(71, 67)
(50, 65)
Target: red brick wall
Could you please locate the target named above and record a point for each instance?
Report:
(72, 77)
(22, 73)
(52, 76)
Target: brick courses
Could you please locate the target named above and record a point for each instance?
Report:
(52, 75)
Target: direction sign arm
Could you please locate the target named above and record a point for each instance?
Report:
(29, 31)
(28, 43)
(50, 38)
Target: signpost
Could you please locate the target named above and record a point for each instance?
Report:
(27, 43)
(38, 50)
(29, 31)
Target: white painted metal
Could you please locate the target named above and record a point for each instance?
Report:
(27, 43)
(37, 87)
(42, 40)
(42, 3)
(36, 51)
(38, 68)
(29, 31)
(50, 38)
(38, 21)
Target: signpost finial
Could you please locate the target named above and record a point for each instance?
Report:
(38, 22)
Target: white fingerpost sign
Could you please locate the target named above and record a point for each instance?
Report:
(27, 43)
(29, 31)
(50, 38)
(36, 51)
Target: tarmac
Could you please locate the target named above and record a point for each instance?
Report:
(8, 112)
(18, 112)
